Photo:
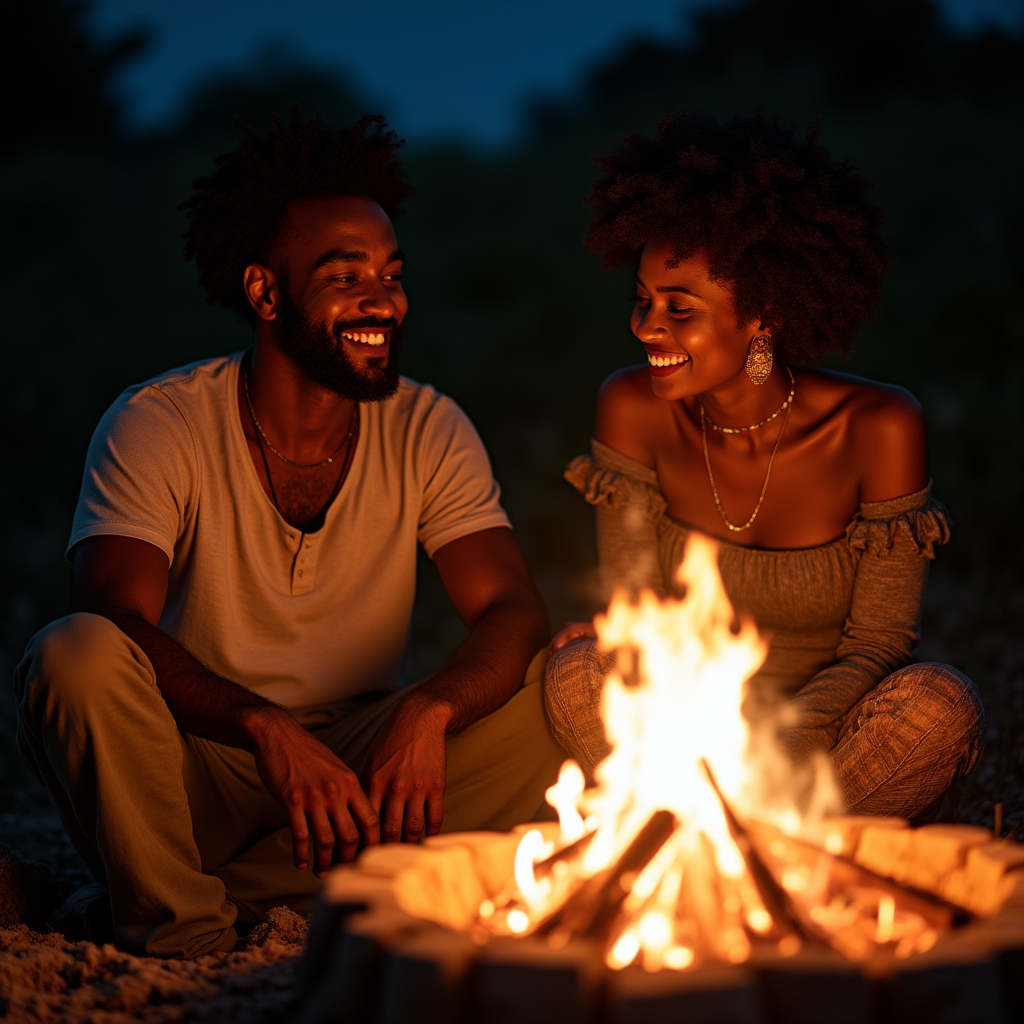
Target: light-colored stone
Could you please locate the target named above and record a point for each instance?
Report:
(494, 854)
(387, 859)
(442, 886)
(886, 851)
(350, 885)
(840, 835)
(938, 850)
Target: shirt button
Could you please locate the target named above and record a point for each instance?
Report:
(299, 573)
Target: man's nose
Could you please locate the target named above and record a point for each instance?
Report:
(377, 302)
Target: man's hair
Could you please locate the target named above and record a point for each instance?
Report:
(780, 222)
(237, 212)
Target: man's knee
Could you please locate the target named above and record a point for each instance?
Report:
(73, 659)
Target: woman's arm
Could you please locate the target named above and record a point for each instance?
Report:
(893, 539)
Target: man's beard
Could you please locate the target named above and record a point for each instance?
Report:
(320, 353)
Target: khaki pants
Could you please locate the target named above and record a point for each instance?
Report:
(181, 829)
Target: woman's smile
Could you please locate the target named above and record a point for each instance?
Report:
(662, 362)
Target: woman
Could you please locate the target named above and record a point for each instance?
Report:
(756, 255)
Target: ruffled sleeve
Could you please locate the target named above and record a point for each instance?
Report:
(893, 543)
(916, 521)
(629, 505)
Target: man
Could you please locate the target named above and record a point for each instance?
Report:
(217, 720)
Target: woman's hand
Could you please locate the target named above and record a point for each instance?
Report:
(571, 631)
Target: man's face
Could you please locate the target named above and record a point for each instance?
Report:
(341, 303)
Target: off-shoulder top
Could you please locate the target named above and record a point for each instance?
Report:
(839, 617)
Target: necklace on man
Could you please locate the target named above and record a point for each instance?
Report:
(704, 419)
(284, 458)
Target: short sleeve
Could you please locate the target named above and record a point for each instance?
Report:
(141, 473)
(460, 494)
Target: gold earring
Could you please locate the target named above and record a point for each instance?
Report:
(759, 359)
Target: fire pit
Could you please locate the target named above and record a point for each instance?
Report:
(703, 877)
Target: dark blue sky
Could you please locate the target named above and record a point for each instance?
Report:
(437, 67)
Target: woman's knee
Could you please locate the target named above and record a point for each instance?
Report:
(949, 699)
(572, 699)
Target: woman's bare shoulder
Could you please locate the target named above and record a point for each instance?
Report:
(629, 414)
(885, 426)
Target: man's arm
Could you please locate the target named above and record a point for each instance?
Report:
(490, 586)
(125, 580)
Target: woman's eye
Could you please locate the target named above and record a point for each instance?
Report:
(680, 309)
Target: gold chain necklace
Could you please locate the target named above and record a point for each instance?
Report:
(753, 426)
(711, 476)
(283, 458)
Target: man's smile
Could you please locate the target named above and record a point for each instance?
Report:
(366, 337)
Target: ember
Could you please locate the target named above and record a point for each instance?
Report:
(699, 848)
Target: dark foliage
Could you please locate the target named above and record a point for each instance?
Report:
(863, 52)
(780, 221)
(236, 213)
(56, 80)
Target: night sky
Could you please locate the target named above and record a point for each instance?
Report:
(444, 68)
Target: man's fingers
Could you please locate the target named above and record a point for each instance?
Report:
(365, 812)
(414, 816)
(346, 832)
(323, 837)
(394, 811)
(435, 811)
(300, 836)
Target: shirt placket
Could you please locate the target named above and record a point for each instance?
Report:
(304, 562)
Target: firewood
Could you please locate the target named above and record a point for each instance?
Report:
(425, 978)
(776, 900)
(592, 909)
(987, 879)
(524, 980)
(714, 994)
(815, 986)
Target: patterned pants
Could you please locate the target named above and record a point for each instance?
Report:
(900, 749)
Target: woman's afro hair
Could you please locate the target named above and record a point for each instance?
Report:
(236, 213)
(785, 226)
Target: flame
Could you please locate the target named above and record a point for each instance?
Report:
(672, 714)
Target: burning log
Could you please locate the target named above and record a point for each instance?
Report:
(592, 909)
(776, 900)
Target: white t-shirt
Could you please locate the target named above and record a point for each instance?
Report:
(303, 619)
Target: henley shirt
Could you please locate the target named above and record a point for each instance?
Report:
(304, 619)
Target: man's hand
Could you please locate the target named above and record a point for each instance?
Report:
(406, 772)
(571, 631)
(321, 794)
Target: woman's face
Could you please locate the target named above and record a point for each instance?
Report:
(688, 326)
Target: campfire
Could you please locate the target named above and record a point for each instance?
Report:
(699, 847)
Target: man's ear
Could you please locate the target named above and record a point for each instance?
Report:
(262, 289)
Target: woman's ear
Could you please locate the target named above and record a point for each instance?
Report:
(261, 289)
